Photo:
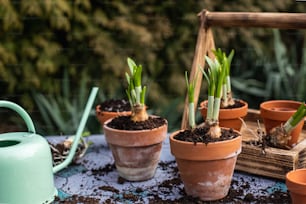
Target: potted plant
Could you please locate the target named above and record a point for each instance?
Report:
(206, 154)
(111, 108)
(283, 121)
(136, 140)
(232, 110)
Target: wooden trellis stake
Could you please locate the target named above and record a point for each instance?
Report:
(205, 41)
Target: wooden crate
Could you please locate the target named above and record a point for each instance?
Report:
(274, 162)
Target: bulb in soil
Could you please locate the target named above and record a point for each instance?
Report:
(215, 131)
(279, 137)
(139, 113)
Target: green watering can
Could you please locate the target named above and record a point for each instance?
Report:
(26, 172)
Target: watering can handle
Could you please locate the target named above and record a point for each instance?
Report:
(25, 116)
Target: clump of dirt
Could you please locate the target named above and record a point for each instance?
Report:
(75, 199)
(125, 123)
(103, 170)
(115, 105)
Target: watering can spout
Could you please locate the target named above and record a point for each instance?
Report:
(79, 132)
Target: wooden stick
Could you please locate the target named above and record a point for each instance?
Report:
(204, 46)
(256, 19)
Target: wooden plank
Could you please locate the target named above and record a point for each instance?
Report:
(256, 19)
(274, 162)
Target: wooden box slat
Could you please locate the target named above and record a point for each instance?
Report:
(273, 162)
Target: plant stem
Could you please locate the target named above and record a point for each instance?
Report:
(190, 91)
(210, 108)
(295, 118)
(216, 109)
(135, 92)
(191, 116)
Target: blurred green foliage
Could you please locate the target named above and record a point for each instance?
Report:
(280, 76)
(39, 40)
(63, 111)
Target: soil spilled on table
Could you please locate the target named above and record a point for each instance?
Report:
(154, 194)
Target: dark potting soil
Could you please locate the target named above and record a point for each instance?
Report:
(125, 123)
(115, 105)
(200, 134)
(237, 104)
(76, 199)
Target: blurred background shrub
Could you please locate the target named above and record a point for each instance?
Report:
(43, 43)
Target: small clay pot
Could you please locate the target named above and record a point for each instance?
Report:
(136, 152)
(206, 169)
(103, 116)
(296, 184)
(277, 112)
(229, 118)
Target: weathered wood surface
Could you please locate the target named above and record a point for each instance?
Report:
(256, 19)
(274, 162)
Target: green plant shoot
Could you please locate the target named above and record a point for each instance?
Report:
(214, 76)
(190, 91)
(225, 62)
(135, 92)
(297, 117)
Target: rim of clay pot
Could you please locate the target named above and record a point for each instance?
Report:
(202, 151)
(284, 109)
(143, 137)
(105, 115)
(227, 113)
(294, 178)
(99, 112)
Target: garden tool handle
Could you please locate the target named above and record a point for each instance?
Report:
(25, 116)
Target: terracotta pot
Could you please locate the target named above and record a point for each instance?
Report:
(228, 117)
(296, 184)
(103, 116)
(206, 169)
(277, 112)
(136, 153)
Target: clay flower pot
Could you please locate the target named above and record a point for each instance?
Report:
(103, 115)
(296, 184)
(136, 152)
(277, 112)
(206, 169)
(229, 118)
